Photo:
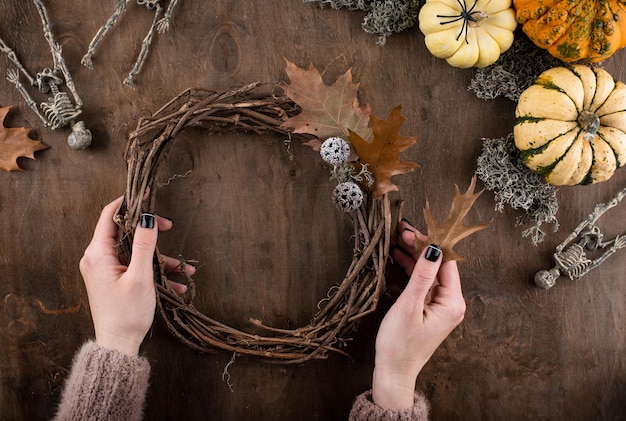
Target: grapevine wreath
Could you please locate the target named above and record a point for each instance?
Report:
(249, 109)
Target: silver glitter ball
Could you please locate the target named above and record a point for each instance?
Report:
(348, 196)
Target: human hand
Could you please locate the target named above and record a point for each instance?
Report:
(122, 299)
(428, 309)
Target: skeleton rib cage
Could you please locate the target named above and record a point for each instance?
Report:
(572, 261)
(59, 110)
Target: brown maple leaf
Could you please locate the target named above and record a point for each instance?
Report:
(452, 231)
(382, 154)
(15, 143)
(327, 110)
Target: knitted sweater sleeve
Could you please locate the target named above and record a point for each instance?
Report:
(104, 385)
(364, 409)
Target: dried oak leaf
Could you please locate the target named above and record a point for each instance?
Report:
(452, 231)
(327, 110)
(15, 143)
(382, 154)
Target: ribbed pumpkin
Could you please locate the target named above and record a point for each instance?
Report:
(571, 125)
(467, 32)
(573, 30)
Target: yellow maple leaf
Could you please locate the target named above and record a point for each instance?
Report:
(15, 143)
(452, 231)
(382, 154)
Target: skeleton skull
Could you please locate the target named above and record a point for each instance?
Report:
(80, 138)
(150, 4)
(547, 278)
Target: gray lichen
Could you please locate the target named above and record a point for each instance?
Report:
(384, 17)
(502, 172)
(515, 70)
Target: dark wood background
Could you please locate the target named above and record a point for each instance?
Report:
(256, 214)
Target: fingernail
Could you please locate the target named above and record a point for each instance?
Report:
(432, 253)
(409, 230)
(407, 221)
(147, 220)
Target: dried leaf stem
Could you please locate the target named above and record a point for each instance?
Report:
(248, 108)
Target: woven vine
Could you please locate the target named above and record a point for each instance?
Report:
(249, 109)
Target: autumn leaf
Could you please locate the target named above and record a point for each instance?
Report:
(382, 154)
(15, 143)
(327, 110)
(452, 231)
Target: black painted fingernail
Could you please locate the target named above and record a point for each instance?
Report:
(432, 253)
(147, 220)
(407, 221)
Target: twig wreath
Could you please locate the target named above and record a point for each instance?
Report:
(248, 109)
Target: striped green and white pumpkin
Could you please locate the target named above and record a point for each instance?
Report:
(571, 125)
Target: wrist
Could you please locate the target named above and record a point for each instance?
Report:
(393, 390)
(123, 345)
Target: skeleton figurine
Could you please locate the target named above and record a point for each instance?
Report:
(573, 261)
(59, 110)
(161, 25)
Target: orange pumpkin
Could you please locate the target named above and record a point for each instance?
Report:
(573, 30)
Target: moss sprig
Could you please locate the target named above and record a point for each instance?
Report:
(503, 173)
(515, 70)
(384, 17)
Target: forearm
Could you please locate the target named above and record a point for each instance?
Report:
(104, 384)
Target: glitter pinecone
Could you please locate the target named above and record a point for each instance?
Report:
(348, 196)
(335, 151)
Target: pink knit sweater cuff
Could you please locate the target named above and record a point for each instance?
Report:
(365, 409)
(104, 384)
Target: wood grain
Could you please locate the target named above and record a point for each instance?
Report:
(256, 213)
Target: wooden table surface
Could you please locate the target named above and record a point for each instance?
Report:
(256, 213)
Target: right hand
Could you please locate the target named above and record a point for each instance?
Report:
(426, 312)
(122, 299)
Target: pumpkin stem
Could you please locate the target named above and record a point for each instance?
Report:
(470, 17)
(475, 18)
(590, 123)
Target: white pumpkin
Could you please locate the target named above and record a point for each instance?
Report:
(467, 33)
(571, 125)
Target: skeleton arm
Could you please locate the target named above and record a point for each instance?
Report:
(598, 211)
(145, 47)
(164, 24)
(66, 73)
(13, 76)
(13, 57)
(618, 243)
(47, 30)
(87, 58)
